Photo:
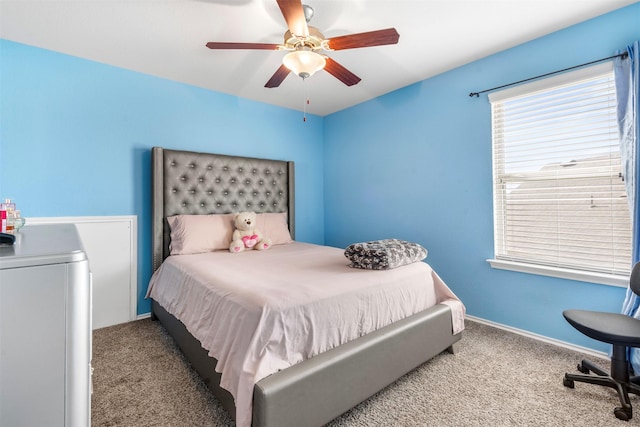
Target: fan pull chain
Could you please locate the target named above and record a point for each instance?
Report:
(305, 101)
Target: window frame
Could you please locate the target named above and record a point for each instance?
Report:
(535, 268)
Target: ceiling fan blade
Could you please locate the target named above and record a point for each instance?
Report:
(371, 38)
(229, 45)
(294, 15)
(341, 73)
(278, 77)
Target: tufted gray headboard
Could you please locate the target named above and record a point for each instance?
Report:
(191, 183)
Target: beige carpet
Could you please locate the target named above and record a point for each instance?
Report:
(496, 379)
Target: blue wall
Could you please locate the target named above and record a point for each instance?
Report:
(75, 139)
(416, 164)
(76, 135)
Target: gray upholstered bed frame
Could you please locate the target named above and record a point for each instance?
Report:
(317, 390)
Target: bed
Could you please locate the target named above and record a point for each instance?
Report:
(313, 390)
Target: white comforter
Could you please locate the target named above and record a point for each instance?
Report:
(258, 312)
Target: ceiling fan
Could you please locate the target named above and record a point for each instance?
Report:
(304, 43)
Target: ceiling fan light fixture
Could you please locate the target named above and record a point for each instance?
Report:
(304, 62)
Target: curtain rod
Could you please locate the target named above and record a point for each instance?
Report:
(622, 55)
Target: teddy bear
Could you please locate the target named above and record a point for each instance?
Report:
(246, 236)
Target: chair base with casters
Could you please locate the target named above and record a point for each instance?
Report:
(622, 332)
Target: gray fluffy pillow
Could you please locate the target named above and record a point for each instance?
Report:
(384, 254)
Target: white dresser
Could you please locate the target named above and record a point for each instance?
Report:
(45, 329)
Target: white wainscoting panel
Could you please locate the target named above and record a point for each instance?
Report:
(111, 246)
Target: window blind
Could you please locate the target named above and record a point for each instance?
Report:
(559, 199)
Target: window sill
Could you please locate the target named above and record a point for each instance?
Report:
(563, 273)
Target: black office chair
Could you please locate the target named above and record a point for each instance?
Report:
(621, 331)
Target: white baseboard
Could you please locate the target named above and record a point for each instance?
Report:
(591, 352)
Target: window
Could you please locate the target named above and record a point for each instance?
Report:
(559, 199)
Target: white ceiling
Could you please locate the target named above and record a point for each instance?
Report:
(166, 38)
